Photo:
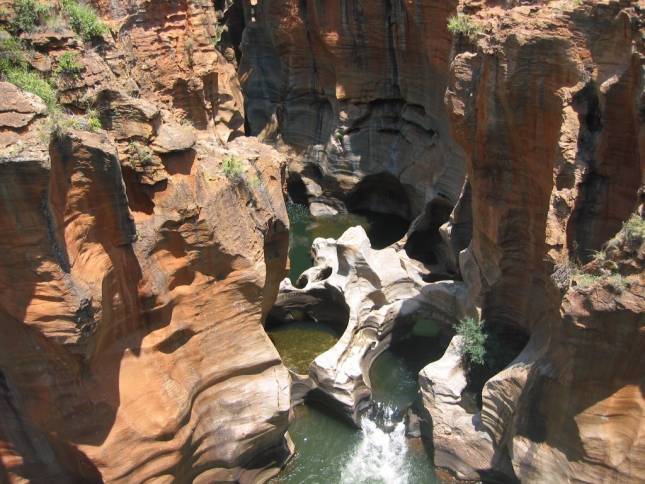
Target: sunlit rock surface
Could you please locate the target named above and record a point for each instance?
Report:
(381, 291)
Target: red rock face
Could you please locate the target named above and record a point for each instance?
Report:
(131, 337)
(170, 50)
(554, 164)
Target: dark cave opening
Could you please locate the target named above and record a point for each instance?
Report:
(296, 189)
(380, 193)
(424, 242)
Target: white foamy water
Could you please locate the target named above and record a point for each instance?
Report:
(380, 456)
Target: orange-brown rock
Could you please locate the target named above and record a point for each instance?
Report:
(131, 339)
(170, 52)
(545, 105)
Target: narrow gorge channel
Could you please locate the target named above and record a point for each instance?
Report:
(322, 241)
(328, 448)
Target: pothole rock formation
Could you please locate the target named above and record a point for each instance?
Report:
(376, 292)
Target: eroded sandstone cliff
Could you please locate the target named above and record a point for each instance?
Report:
(136, 269)
(542, 102)
(140, 257)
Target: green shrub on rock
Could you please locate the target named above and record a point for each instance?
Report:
(12, 53)
(232, 168)
(462, 24)
(28, 14)
(473, 347)
(69, 65)
(32, 82)
(83, 20)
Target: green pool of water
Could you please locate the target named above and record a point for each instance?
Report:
(381, 229)
(299, 343)
(330, 451)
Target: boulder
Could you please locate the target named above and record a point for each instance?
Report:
(173, 137)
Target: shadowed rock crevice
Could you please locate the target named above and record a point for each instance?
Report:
(380, 193)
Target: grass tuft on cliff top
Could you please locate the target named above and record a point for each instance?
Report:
(462, 24)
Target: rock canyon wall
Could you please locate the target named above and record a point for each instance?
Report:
(536, 107)
(145, 237)
(135, 270)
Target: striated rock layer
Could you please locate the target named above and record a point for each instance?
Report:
(356, 89)
(547, 105)
(135, 271)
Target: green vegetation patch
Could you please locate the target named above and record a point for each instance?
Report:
(141, 155)
(473, 347)
(29, 14)
(93, 120)
(69, 65)
(634, 229)
(232, 168)
(83, 20)
(462, 24)
(13, 53)
(31, 81)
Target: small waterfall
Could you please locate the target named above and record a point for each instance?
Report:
(380, 457)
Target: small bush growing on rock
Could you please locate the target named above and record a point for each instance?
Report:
(139, 154)
(634, 229)
(93, 121)
(32, 82)
(462, 24)
(69, 65)
(28, 14)
(217, 36)
(59, 124)
(83, 20)
(473, 347)
(12, 53)
(232, 168)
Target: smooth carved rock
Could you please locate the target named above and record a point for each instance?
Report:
(462, 444)
(18, 108)
(131, 343)
(358, 90)
(372, 292)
